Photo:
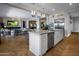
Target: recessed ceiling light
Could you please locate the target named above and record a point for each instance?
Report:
(53, 9)
(70, 3)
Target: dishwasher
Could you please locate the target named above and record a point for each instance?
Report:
(50, 40)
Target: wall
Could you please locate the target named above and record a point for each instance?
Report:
(68, 25)
(75, 14)
(76, 24)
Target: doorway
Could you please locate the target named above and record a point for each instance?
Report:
(24, 24)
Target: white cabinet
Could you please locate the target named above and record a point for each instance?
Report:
(31, 42)
(43, 43)
(37, 47)
(56, 39)
(38, 43)
(58, 36)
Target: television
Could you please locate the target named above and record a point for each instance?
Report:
(12, 23)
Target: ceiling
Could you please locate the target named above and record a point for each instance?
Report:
(48, 8)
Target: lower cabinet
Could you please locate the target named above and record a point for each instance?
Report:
(50, 40)
(58, 36)
(38, 43)
(43, 44)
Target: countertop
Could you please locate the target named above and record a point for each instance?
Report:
(44, 31)
(58, 29)
(41, 31)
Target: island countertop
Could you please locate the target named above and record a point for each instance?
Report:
(44, 31)
(41, 31)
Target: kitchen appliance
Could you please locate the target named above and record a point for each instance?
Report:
(59, 23)
(50, 40)
(51, 27)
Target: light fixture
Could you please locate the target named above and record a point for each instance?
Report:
(43, 15)
(33, 12)
(53, 9)
(70, 3)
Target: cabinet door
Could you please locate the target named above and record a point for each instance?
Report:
(50, 40)
(37, 47)
(31, 42)
(56, 37)
(61, 35)
(43, 43)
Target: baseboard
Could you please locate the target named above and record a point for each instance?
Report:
(75, 32)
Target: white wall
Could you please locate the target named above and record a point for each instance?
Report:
(75, 14)
(76, 24)
(68, 25)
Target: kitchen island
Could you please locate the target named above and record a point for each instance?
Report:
(41, 40)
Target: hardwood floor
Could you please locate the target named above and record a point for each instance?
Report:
(18, 46)
(68, 47)
(15, 46)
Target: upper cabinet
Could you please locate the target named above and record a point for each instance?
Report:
(59, 16)
(59, 20)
